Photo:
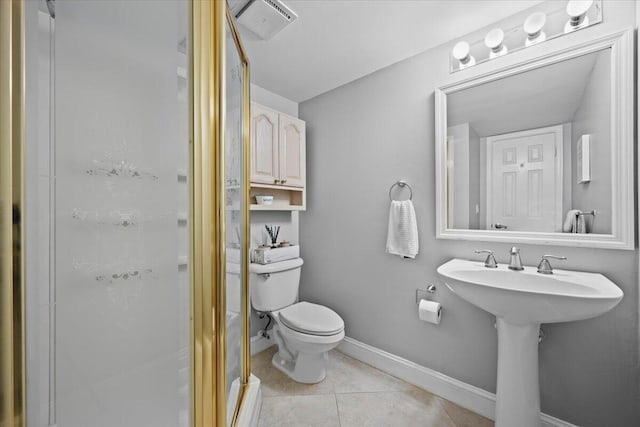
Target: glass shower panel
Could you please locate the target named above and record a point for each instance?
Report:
(121, 240)
(234, 180)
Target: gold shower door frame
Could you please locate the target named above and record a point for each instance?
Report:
(208, 233)
(12, 291)
(207, 209)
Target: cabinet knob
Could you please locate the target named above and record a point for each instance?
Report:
(276, 181)
(283, 181)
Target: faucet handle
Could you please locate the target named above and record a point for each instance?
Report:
(545, 266)
(490, 262)
(554, 257)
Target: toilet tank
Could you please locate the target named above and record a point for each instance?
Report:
(274, 286)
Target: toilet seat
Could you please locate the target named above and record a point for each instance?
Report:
(312, 319)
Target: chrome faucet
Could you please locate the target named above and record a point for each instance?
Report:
(490, 262)
(545, 266)
(516, 262)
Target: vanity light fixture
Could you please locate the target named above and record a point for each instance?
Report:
(493, 41)
(556, 19)
(461, 53)
(577, 11)
(533, 26)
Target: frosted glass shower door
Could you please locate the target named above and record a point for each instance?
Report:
(122, 344)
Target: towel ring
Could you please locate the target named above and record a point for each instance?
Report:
(401, 184)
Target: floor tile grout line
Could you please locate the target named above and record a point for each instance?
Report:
(444, 409)
(335, 398)
(297, 395)
(378, 391)
(374, 392)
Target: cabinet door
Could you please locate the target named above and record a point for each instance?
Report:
(264, 145)
(292, 151)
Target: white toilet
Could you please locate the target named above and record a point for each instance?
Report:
(303, 331)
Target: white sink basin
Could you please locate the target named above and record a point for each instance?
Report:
(528, 296)
(521, 301)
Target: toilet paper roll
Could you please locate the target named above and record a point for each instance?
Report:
(430, 311)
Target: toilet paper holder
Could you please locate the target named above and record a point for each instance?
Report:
(424, 293)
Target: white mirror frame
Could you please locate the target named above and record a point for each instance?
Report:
(622, 146)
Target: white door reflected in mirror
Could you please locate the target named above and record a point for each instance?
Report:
(524, 176)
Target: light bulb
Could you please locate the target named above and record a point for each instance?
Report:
(493, 41)
(577, 11)
(533, 26)
(461, 53)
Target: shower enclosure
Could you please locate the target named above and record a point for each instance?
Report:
(126, 151)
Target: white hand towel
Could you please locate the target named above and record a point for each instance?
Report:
(569, 225)
(402, 235)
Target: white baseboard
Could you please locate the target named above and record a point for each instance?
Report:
(548, 420)
(473, 398)
(260, 343)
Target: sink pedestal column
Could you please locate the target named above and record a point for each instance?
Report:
(518, 389)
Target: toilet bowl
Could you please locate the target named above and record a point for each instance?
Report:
(304, 332)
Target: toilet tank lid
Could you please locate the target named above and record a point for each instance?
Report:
(275, 267)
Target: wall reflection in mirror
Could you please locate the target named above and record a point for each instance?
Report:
(532, 151)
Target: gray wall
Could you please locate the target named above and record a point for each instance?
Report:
(273, 100)
(593, 118)
(364, 136)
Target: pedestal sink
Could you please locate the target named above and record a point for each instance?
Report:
(521, 301)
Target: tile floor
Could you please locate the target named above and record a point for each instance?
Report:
(353, 394)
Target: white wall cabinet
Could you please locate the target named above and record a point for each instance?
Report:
(265, 159)
(278, 159)
(292, 151)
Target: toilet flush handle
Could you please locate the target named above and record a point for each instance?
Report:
(265, 275)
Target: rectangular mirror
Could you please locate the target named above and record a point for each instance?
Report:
(542, 151)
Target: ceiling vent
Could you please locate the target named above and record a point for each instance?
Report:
(266, 18)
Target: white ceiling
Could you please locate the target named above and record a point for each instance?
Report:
(520, 102)
(334, 42)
